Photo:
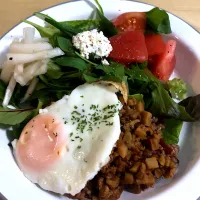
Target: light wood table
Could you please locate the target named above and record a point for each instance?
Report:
(13, 11)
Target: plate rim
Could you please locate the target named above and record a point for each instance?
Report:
(136, 1)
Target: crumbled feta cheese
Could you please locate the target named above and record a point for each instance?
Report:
(92, 42)
(105, 62)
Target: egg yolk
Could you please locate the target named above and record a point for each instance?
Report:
(41, 143)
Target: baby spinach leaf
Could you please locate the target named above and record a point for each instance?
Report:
(40, 86)
(164, 105)
(159, 100)
(44, 96)
(158, 21)
(90, 78)
(172, 130)
(15, 131)
(85, 59)
(61, 84)
(65, 45)
(68, 30)
(177, 88)
(44, 31)
(192, 106)
(12, 116)
(82, 25)
(71, 62)
(99, 6)
(106, 25)
(54, 71)
(135, 73)
(114, 72)
(138, 81)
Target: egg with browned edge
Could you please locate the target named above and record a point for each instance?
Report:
(66, 145)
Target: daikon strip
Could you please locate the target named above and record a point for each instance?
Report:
(19, 69)
(38, 40)
(30, 48)
(30, 89)
(15, 59)
(28, 35)
(9, 92)
(7, 71)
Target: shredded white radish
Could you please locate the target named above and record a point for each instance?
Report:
(31, 69)
(43, 68)
(38, 40)
(20, 79)
(28, 34)
(34, 69)
(30, 89)
(30, 48)
(7, 71)
(9, 92)
(15, 59)
(26, 60)
(28, 74)
(19, 69)
(18, 74)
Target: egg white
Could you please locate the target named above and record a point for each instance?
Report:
(87, 152)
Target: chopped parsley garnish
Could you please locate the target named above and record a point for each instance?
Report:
(76, 112)
(94, 117)
(109, 124)
(78, 147)
(71, 134)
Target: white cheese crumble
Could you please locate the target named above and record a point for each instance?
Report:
(105, 62)
(92, 42)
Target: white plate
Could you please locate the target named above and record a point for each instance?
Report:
(184, 186)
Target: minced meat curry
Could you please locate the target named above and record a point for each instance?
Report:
(140, 157)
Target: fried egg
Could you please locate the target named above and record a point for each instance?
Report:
(67, 144)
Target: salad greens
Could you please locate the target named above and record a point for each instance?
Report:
(177, 88)
(14, 116)
(192, 106)
(172, 126)
(157, 99)
(106, 25)
(83, 25)
(99, 6)
(77, 63)
(66, 72)
(158, 21)
(67, 30)
(65, 45)
(44, 31)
